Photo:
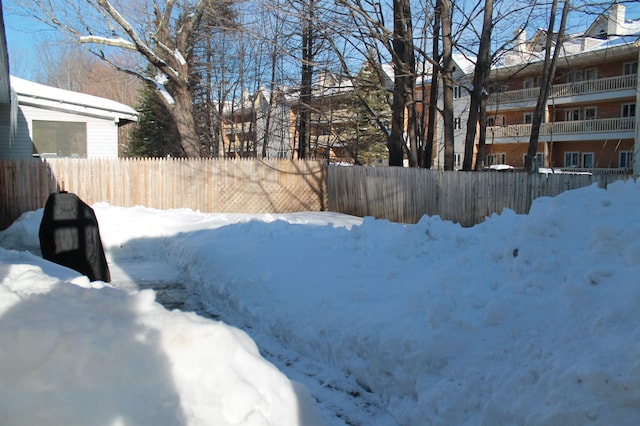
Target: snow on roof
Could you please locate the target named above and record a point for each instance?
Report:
(465, 63)
(40, 95)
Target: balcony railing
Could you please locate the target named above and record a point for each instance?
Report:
(600, 85)
(604, 125)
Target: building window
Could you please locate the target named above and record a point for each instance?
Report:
(457, 159)
(588, 160)
(499, 158)
(591, 74)
(498, 120)
(572, 115)
(574, 76)
(527, 84)
(625, 159)
(628, 110)
(572, 159)
(539, 159)
(630, 68)
(457, 123)
(590, 113)
(457, 92)
(528, 118)
(59, 139)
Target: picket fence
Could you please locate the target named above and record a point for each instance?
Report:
(407, 194)
(208, 185)
(280, 186)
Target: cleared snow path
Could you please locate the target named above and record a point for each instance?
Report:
(340, 398)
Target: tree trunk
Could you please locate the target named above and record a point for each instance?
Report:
(447, 83)
(433, 91)
(482, 139)
(304, 127)
(183, 114)
(548, 74)
(481, 68)
(403, 87)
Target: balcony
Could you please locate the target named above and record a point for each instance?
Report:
(623, 127)
(567, 90)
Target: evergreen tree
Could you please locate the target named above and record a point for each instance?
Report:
(367, 142)
(156, 134)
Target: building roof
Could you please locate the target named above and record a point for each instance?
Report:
(47, 97)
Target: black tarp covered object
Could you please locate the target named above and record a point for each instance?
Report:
(69, 236)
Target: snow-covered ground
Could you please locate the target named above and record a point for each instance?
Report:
(524, 319)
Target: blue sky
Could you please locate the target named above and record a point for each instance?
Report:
(25, 38)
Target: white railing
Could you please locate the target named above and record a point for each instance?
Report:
(595, 86)
(565, 127)
(512, 96)
(600, 85)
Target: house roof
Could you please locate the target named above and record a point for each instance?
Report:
(47, 97)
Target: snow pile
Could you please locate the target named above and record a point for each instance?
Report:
(75, 353)
(520, 320)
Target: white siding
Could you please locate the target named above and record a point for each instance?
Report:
(18, 144)
(102, 134)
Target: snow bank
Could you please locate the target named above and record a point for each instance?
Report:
(523, 319)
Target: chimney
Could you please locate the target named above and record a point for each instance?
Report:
(520, 39)
(616, 20)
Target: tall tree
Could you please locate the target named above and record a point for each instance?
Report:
(307, 60)
(479, 91)
(159, 33)
(548, 73)
(433, 88)
(403, 87)
(447, 83)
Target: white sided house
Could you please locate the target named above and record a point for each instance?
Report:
(49, 122)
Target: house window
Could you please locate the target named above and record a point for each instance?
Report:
(574, 76)
(59, 139)
(630, 68)
(625, 159)
(527, 84)
(588, 160)
(572, 159)
(591, 74)
(457, 92)
(628, 110)
(499, 158)
(539, 159)
(498, 120)
(590, 113)
(457, 123)
(572, 115)
(457, 158)
(528, 118)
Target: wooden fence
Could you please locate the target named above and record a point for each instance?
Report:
(280, 186)
(406, 194)
(209, 185)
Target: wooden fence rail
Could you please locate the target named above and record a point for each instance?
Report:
(209, 185)
(406, 194)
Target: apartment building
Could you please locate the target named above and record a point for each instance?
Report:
(254, 119)
(591, 116)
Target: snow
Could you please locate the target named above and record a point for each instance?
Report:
(523, 319)
(40, 93)
(160, 81)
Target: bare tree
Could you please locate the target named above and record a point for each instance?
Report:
(548, 73)
(447, 83)
(159, 33)
(479, 91)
